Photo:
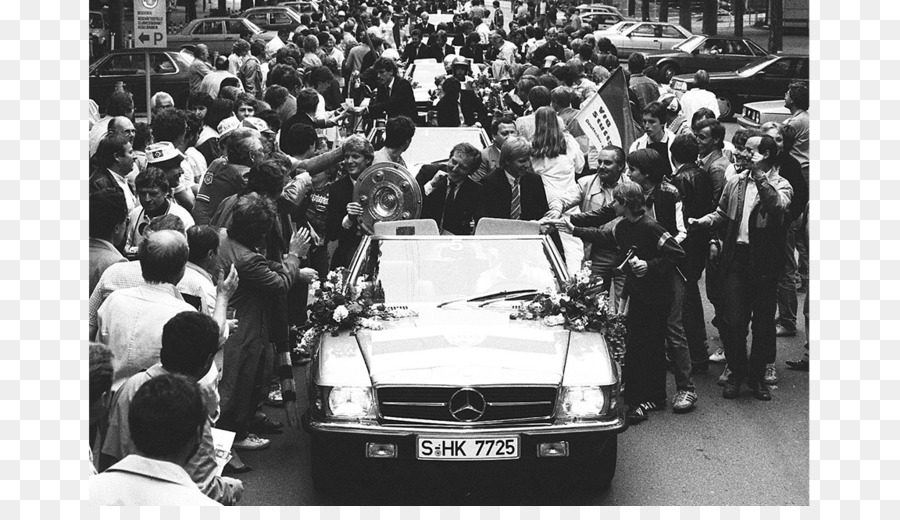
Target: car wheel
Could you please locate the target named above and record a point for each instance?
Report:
(728, 106)
(667, 71)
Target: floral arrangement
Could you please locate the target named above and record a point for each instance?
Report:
(334, 311)
(580, 306)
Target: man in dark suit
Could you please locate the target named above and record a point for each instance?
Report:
(342, 219)
(450, 198)
(514, 174)
(456, 101)
(395, 94)
(426, 28)
(514, 191)
(415, 49)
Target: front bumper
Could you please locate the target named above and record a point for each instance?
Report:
(584, 439)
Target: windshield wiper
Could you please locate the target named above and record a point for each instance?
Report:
(489, 296)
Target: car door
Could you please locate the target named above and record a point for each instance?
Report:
(260, 18)
(642, 37)
(236, 29)
(210, 32)
(772, 82)
(281, 20)
(669, 36)
(128, 68)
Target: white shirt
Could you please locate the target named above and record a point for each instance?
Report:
(698, 98)
(129, 195)
(138, 220)
(130, 323)
(140, 481)
(751, 197)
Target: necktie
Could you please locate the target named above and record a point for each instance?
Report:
(448, 204)
(516, 206)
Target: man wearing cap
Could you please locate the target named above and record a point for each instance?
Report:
(170, 133)
(226, 176)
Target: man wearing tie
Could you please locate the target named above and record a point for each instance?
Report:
(395, 95)
(513, 190)
(451, 198)
(415, 50)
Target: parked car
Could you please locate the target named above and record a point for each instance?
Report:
(273, 18)
(168, 72)
(461, 387)
(604, 19)
(762, 112)
(633, 36)
(99, 33)
(302, 7)
(765, 78)
(710, 53)
(584, 9)
(218, 33)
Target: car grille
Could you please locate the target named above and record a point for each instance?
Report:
(431, 405)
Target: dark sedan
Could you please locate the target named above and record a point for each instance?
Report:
(168, 73)
(218, 33)
(273, 18)
(710, 53)
(765, 78)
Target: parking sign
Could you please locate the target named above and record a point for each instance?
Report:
(150, 24)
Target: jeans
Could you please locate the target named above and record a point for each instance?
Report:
(676, 343)
(694, 324)
(787, 283)
(749, 299)
(802, 238)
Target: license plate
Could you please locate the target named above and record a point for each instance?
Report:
(457, 448)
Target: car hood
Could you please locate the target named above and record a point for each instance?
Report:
(464, 347)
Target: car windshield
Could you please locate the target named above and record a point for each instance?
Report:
(755, 66)
(690, 44)
(440, 269)
(619, 27)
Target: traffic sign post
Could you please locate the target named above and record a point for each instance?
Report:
(149, 33)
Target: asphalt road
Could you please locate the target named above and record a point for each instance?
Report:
(740, 452)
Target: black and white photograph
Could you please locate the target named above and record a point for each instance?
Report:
(446, 253)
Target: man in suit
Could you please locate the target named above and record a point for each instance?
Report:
(395, 94)
(451, 198)
(457, 102)
(342, 228)
(427, 29)
(513, 190)
(415, 49)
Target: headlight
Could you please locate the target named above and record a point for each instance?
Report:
(349, 401)
(582, 402)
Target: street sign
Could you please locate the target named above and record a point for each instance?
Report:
(150, 24)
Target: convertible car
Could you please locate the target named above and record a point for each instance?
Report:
(458, 385)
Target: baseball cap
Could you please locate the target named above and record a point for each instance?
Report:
(257, 124)
(227, 125)
(161, 152)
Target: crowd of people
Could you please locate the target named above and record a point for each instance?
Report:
(208, 224)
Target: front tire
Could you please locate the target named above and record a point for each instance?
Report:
(667, 71)
(728, 106)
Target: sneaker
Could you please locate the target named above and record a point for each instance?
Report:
(251, 442)
(771, 377)
(654, 406)
(636, 414)
(684, 401)
(718, 356)
(781, 331)
(724, 377)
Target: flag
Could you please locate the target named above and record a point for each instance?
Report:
(606, 117)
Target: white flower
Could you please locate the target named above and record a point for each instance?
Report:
(369, 323)
(315, 286)
(340, 313)
(328, 286)
(552, 321)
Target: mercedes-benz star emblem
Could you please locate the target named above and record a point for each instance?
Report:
(467, 405)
